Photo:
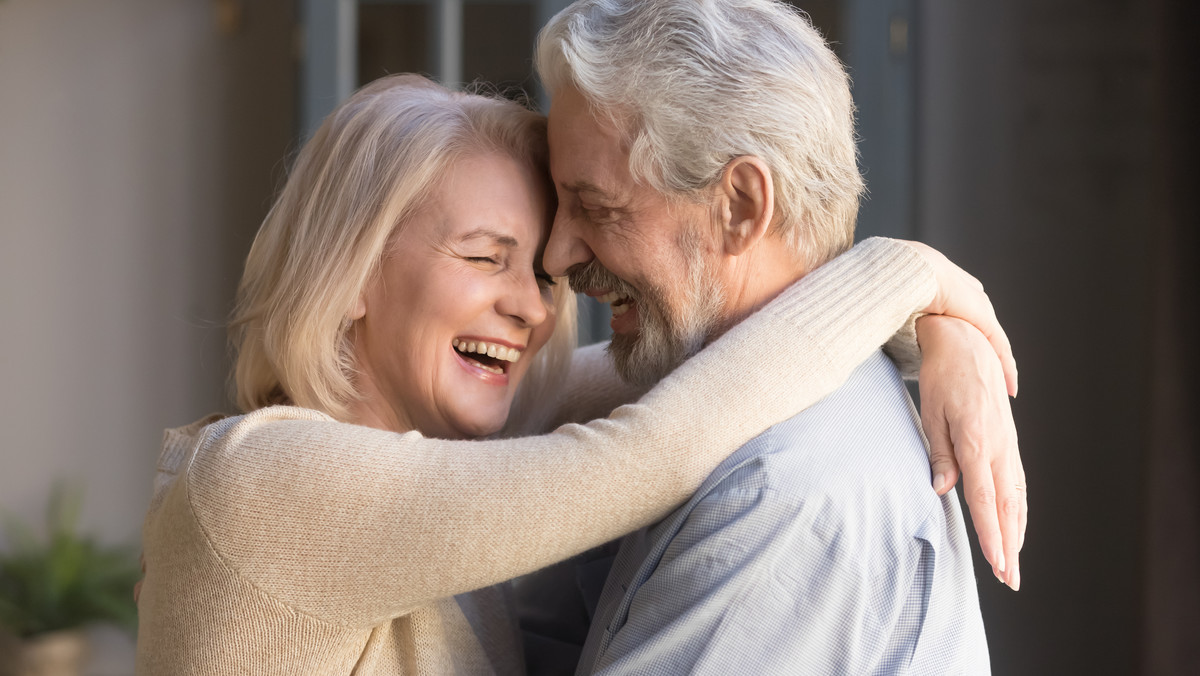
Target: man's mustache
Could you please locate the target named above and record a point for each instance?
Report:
(596, 276)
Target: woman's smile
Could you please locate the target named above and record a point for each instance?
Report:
(492, 356)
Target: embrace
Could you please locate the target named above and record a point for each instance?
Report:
(418, 427)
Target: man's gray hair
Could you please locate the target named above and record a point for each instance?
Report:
(693, 84)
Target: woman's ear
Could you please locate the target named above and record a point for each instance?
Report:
(749, 197)
(360, 307)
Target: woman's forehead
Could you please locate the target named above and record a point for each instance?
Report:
(491, 199)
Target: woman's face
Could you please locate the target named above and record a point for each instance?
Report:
(460, 305)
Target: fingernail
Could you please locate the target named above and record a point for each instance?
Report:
(939, 482)
(1000, 561)
(1016, 580)
(1021, 542)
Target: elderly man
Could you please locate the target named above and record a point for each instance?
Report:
(704, 158)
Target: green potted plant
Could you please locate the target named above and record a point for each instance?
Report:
(53, 585)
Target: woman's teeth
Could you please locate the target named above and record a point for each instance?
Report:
(500, 352)
(617, 302)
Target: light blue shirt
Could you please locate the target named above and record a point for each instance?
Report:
(817, 548)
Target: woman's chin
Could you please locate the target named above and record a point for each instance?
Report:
(475, 427)
(465, 415)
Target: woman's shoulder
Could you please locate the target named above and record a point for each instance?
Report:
(214, 441)
(211, 464)
(218, 440)
(181, 444)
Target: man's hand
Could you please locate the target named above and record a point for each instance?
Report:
(969, 422)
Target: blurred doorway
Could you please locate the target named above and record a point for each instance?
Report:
(347, 43)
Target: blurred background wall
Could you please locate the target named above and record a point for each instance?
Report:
(139, 148)
(1047, 146)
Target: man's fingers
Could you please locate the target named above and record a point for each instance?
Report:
(943, 466)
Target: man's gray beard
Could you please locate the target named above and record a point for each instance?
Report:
(661, 342)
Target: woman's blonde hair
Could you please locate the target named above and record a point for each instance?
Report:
(363, 174)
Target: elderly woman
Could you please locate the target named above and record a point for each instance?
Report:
(392, 309)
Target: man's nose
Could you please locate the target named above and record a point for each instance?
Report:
(565, 249)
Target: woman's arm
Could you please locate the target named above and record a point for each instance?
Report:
(357, 525)
(965, 413)
(593, 388)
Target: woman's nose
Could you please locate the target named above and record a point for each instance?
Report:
(565, 250)
(527, 301)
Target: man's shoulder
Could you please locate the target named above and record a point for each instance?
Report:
(863, 441)
(826, 523)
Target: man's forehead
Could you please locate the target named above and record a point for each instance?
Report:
(585, 153)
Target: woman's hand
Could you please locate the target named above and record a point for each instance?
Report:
(961, 295)
(969, 422)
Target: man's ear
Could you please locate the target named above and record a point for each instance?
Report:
(749, 197)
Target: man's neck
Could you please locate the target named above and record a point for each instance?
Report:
(754, 278)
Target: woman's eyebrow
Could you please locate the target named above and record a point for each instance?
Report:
(500, 238)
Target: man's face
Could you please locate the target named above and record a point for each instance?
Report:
(651, 259)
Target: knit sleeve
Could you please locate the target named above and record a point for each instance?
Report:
(593, 388)
(355, 525)
(904, 350)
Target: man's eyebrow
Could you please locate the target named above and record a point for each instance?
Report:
(587, 186)
(500, 238)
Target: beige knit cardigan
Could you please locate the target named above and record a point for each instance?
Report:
(285, 542)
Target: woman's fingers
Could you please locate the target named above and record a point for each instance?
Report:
(979, 490)
(998, 339)
(1024, 516)
(1003, 348)
(1010, 508)
(968, 300)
